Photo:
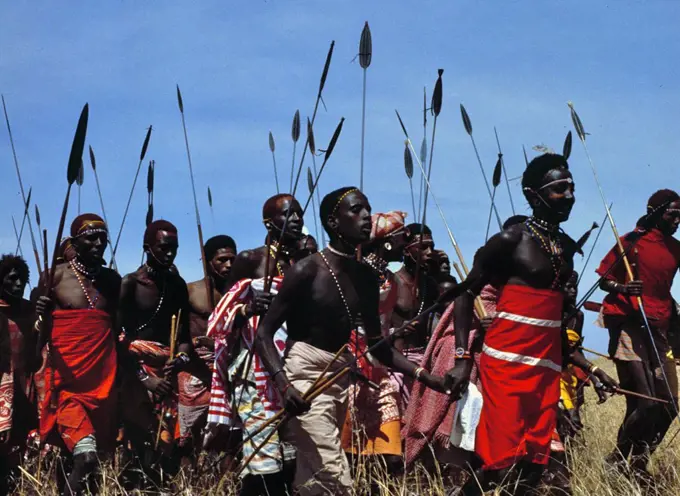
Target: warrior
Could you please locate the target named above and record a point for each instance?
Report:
(322, 299)
(194, 382)
(373, 421)
(241, 390)
(521, 359)
(77, 318)
(417, 288)
(444, 264)
(18, 360)
(655, 260)
(149, 299)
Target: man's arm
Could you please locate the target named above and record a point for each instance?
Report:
(297, 277)
(242, 269)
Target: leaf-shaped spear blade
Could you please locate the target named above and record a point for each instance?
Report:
(578, 125)
(180, 102)
(310, 181)
(437, 94)
(149, 215)
(326, 66)
(272, 148)
(295, 129)
(210, 202)
(466, 119)
(150, 173)
(310, 137)
(148, 137)
(93, 162)
(584, 238)
(365, 47)
(566, 149)
(37, 215)
(327, 155)
(272, 145)
(497, 172)
(75, 159)
(408, 162)
(81, 174)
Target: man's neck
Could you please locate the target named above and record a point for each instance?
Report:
(217, 283)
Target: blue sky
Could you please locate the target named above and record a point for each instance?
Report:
(245, 67)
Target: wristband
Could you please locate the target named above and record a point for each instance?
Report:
(244, 309)
(419, 371)
(593, 368)
(277, 372)
(183, 357)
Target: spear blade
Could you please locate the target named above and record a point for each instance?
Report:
(365, 47)
(180, 103)
(210, 203)
(466, 120)
(93, 162)
(149, 215)
(437, 94)
(295, 130)
(272, 145)
(401, 123)
(578, 125)
(326, 66)
(37, 215)
(408, 162)
(334, 140)
(424, 107)
(584, 238)
(147, 138)
(566, 149)
(310, 180)
(310, 137)
(81, 174)
(150, 177)
(75, 160)
(497, 171)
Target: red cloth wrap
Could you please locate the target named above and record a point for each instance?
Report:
(654, 260)
(519, 414)
(83, 354)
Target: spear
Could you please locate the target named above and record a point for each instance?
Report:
(327, 155)
(272, 147)
(37, 221)
(365, 55)
(526, 159)
(312, 150)
(93, 164)
(208, 282)
(132, 190)
(319, 98)
(310, 186)
(21, 185)
(592, 248)
(505, 174)
(19, 250)
(150, 175)
(79, 181)
(436, 108)
(210, 204)
(295, 134)
(495, 181)
(74, 163)
(408, 168)
(23, 221)
(468, 128)
(566, 148)
(584, 238)
(423, 152)
(578, 125)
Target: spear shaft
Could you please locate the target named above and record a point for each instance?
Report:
(592, 248)
(505, 174)
(21, 184)
(101, 203)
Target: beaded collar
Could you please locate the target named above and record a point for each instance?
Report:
(550, 244)
(79, 269)
(337, 284)
(342, 254)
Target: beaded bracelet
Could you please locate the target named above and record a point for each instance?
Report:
(419, 371)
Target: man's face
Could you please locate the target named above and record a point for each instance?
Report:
(444, 262)
(164, 249)
(288, 206)
(90, 247)
(668, 224)
(353, 217)
(222, 261)
(13, 285)
(422, 246)
(557, 190)
(571, 288)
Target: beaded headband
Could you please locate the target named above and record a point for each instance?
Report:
(344, 195)
(92, 227)
(567, 180)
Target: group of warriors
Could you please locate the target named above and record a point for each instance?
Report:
(366, 364)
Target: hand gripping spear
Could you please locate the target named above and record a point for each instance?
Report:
(134, 182)
(468, 128)
(93, 163)
(208, 281)
(365, 55)
(272, 148)
(21, 184)
(578, 125)
(505, 174)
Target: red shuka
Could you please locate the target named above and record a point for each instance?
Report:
(655, 260)
(83, 362)
(520, 371)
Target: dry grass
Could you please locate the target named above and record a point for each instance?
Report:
(590, 476)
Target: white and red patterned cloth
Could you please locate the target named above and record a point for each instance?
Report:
(15, 371)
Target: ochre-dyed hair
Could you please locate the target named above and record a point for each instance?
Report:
(9, 262)
(538, 168)
(86, 221)
(330, 203)
(271, 207)
(217, 243)
(661, 198)
(416, 229)
(154, 227)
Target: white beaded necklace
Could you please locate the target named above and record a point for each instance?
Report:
(337, 283)
(341, 253)
(150, 270)
(78, 269)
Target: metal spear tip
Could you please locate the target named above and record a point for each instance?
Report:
(497, 170)
(334, 140)
(326, 66)
(578, 125)
(93, 162)
(310, 137)
(146, 141)
(149, 215)
(210, 197)
(37, 215)
(81, 174)
(566, 149)
(76, 157)
(28, 199)
(424, 106)
(150, 173)
(466, 119)
(403, 128)
(437, 94)
(365, 47)
(310, 180)
(423, 150)
(295, 129)
(180, 103)
(408, 162)
(272, 145)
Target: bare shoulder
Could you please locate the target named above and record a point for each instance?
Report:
(111, 275)
(307, 267)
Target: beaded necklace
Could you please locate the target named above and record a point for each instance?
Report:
(551, 245)
(342, 254)
(78, 269)
(273, 250)
(337, 284)
(150, 271)
(377, 264)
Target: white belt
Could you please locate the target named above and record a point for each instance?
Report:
(523, 359)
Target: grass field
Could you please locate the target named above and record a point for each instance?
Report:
(589, 475)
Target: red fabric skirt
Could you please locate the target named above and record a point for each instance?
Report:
(520, 371)
(82, 369)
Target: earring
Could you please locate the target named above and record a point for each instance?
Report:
(388, 246)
